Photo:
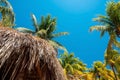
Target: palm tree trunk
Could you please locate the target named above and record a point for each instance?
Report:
(109, 48)
(114, 72)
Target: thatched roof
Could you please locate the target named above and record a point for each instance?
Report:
(23, 54)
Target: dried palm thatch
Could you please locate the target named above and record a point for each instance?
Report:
(25, 57)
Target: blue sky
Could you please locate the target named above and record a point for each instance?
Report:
(73, 16)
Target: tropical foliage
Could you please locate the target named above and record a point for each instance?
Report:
(7, 13)
(74, 69)
(45, 30)
(72, 66)
(100, 72)
(110, 23)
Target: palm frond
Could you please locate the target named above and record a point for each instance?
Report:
(42, 34)
(99, 28)
(35, 24)
(113, 11)
(77, 66)
(103, 20)
(42, 23)
(116, 43)
(64, 55)
(57, 45)
(59, 34)
(110, 7)
(60, 60)
(46, 22)
(48, 19)
(71, 70)
(78, 72)
(103, 29)
(8, 4)
(25, 30)
(72, 59)
(117, 61)
(8, 17)
(51, 28)
(8, 20)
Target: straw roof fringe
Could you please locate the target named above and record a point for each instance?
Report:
(23, 52)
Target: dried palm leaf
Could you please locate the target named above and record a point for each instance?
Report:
(23, 54)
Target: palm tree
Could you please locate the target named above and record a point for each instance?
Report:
(113, 58)
(25, 57)
(7, 13)
(72, 66)
(96, 66)
(101, 72)
(116, 62)
(109, 23)
(45, 30)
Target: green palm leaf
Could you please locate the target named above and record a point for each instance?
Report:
(116, 42)
(57, 45)
(25, 30)
(8, 17)
(7, 4)
(52, 25)
(59, 34)
(101, 28)
(118, 61)
(69, 68)
(42, 34)
(77, 66)
(35, 24)
(104, 20)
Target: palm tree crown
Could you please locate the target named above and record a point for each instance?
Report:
(72, 65)
(111, 22)
(8, 16)
(101, 72)
(45, 29)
